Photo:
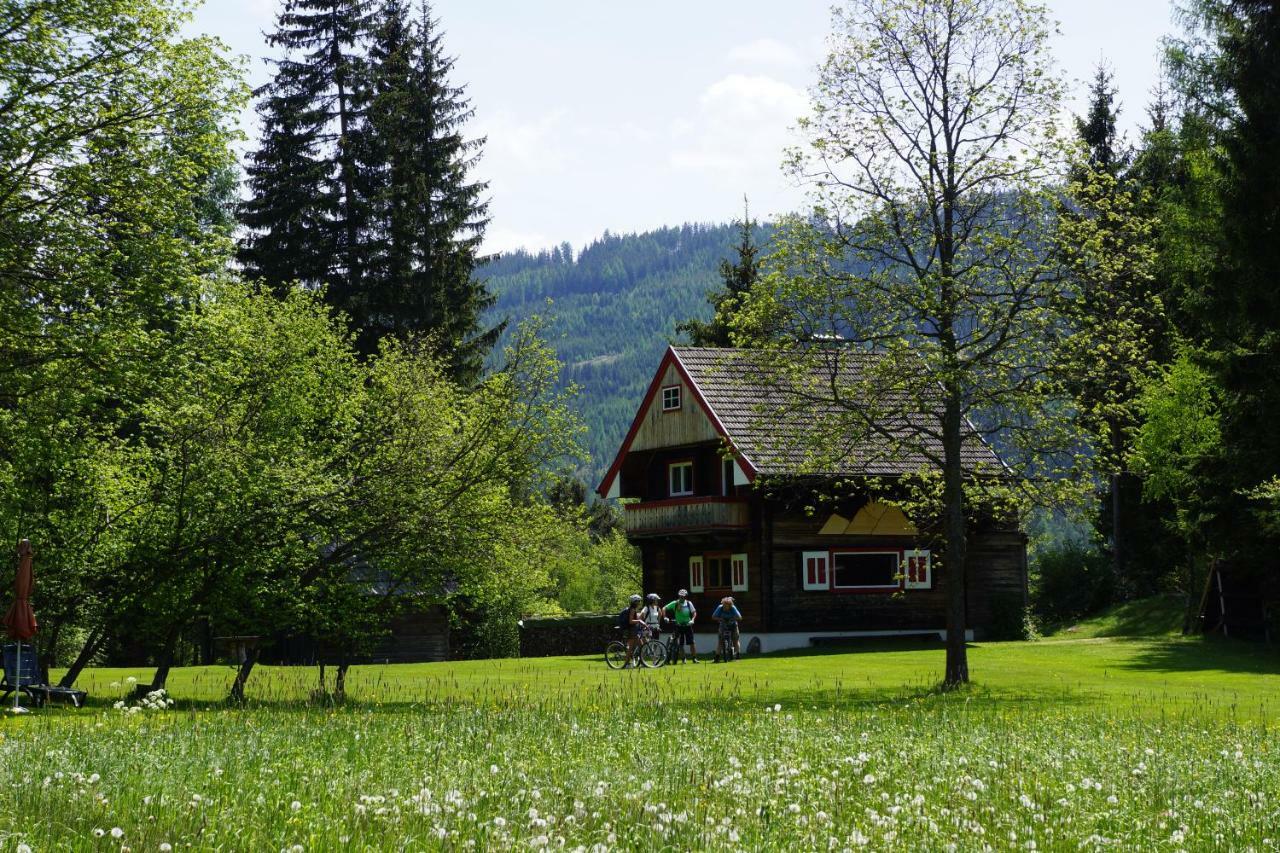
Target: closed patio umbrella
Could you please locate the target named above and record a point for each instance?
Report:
(20, 620)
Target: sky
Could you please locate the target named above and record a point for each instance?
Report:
(628, 116)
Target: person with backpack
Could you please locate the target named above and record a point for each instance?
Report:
(683, 614)
(728, 615)
(632, 620)
(653, 615)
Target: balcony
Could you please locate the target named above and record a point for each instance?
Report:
(686, 515)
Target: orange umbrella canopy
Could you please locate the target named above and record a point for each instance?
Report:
(20, 621)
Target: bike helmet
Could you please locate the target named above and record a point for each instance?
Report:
(636, 598)
(653, 596)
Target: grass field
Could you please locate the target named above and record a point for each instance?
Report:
(1152, 743)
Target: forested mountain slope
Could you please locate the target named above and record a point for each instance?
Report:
(613, 311)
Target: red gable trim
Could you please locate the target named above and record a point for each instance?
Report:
(671, 357)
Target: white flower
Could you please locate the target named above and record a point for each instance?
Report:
(295, 805)
(117, 832)
(499, 822)
(98, 833)
(1112, 799)
(24, 848)
(131, 680)
(777, 708)
(165, 847)
(869, 779)
(93, 778)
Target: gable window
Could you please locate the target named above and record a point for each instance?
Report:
(680, 479)
(671, 398)
(865, 570)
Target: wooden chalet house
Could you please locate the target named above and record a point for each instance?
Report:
(689, 472)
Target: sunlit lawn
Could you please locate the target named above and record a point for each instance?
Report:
(1159, 743)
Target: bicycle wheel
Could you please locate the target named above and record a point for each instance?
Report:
(615, 654)
(653, 654)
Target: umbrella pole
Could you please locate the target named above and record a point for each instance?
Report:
(17, 687)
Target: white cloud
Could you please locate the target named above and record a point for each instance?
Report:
(524, 143)
(765, 51)
(499, 239)
(741, 126)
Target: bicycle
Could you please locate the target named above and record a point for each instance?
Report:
(651, 654)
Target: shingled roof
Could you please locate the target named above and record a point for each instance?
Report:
(768, 414)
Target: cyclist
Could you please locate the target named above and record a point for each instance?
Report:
(635, 628)
(653, 615)
(683, 614)
(727, 614)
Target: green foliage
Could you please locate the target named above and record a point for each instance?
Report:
(1180, 437)
(115, 134)
(1070, 581)
(1226, 71)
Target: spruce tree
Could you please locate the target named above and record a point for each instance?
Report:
(737, 278)
(305, 215)
(430, 215)
(1111, 298)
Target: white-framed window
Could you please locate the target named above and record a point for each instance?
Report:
(718, 571)
(917, 570)
(671, 398)
(679, 479)
(726, 477)
(865, 570)
(814, 570)
(738, 572)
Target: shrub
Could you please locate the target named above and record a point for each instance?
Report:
(1069, 581)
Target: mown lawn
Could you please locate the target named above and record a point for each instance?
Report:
(1141, 743)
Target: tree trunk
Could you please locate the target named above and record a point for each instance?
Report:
(96, 638)
(955, 533)
(340, 683)
(47, 651)
(242, 675)
(166, 663)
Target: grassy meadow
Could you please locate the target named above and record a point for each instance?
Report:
(1094, 742)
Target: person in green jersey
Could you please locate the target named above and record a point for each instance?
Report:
(683, 614)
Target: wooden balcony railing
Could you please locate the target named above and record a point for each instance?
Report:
(656, 518)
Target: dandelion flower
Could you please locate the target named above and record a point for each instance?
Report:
(295, 805)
